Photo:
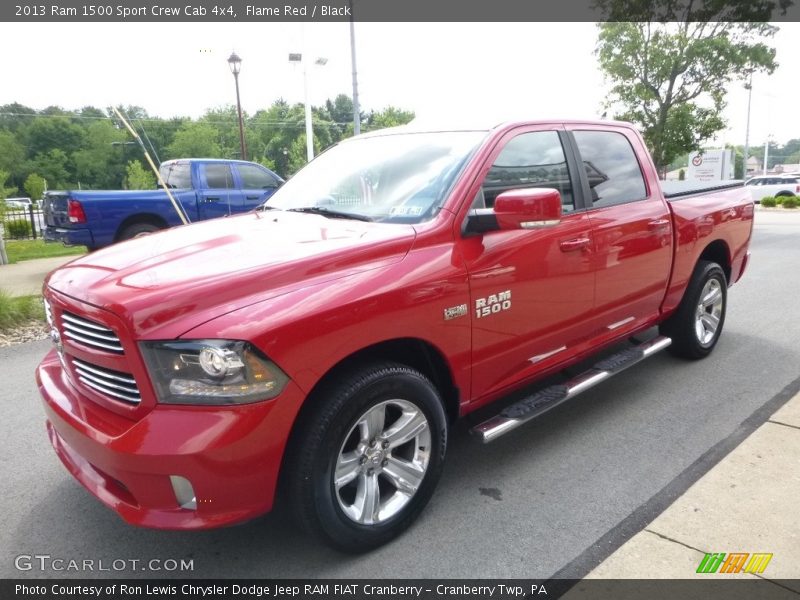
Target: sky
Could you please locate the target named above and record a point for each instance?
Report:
(491, 70)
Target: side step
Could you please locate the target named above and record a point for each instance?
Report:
(540, 402)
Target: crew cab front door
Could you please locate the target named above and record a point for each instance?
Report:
(219, 194)
(257, 184)
(531, 290)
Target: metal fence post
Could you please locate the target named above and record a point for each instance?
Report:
(3, 255)
(33, 220)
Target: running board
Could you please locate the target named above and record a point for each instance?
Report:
(540, 402)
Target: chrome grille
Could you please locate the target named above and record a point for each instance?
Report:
(48, 312)
(111, 383)
(90, 333)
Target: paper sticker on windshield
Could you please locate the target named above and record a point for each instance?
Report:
(408, 211)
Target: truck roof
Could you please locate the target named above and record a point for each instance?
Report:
(449, 123)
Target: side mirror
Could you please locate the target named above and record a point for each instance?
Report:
(528, 208)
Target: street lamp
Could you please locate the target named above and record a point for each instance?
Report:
(235, 63)
(296, 57)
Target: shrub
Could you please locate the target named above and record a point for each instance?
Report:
(19, 311)
(779, 200)
(790, 202)
(768, 201)
(18, 229)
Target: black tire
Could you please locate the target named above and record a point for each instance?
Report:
(691, 327)
(333, 431)
(137, 230)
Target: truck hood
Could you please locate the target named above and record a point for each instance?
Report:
(164, 284)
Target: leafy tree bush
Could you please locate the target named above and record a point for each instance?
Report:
(34, 185)
(790, 202)
(139, 178)
(768, 201)
(17, 229)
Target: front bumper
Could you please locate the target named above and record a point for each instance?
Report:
(230, 455)
(69, 237)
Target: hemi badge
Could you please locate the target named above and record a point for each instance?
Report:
(455, 311)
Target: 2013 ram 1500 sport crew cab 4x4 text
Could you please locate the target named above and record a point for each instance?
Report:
(320, 348)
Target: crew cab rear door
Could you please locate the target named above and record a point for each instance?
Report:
(631, 225)
(531, 290)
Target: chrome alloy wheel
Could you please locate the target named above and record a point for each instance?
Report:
(709, 312)
(382, 461)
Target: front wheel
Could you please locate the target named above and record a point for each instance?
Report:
(697, 324)
(368, 456)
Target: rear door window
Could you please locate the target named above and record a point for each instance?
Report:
(612, 168)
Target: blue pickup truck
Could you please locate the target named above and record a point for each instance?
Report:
(205, 188)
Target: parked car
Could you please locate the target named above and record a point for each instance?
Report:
(18, 203)
(772, 185)
(322, 347)
(204, 188)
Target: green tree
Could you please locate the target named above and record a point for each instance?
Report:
(5, 192)
(671, 78)
(195, 140)
(54, 167)
(139, 178)
(388, 117)
(34, 186)
(101, 163)
(12, 154)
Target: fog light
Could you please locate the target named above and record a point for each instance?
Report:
(184, 492)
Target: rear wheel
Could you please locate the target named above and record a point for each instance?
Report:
(138, 230)
(367, 459)
(697, 324)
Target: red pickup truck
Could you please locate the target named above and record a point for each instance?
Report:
(320, 348)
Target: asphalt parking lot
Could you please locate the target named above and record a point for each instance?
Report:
(539, 501)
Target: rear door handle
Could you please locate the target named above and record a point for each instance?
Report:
(212, 199)
(253, 197)
(574, 244)
(658, 224)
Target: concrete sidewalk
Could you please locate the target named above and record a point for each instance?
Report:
(748, 503)
(26, 277)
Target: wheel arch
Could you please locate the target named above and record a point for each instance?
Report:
(718, 252)
(416, 353)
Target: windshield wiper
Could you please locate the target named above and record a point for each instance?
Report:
(327, 212)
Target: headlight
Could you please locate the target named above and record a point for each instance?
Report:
(211, 372)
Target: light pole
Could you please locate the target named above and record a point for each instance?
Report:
(235, 63)
(295, 57)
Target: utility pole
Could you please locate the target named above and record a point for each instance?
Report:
(356, 108)
(747, 130)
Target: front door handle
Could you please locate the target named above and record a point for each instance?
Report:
(253, 197)
(574, 244)
(212, 199)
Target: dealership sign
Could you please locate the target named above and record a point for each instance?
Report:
(710, 165)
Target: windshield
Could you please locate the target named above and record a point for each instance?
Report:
(400, 178)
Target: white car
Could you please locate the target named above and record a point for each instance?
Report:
(773, 185)
(18, 203)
